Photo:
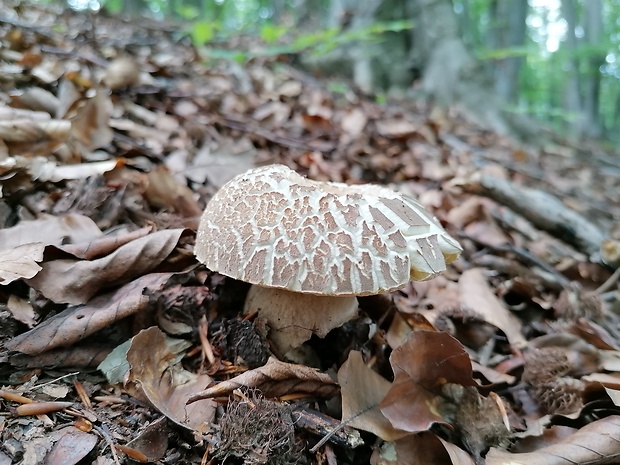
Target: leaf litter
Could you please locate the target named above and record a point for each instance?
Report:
(109, 151)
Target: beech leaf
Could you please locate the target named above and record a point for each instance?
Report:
(423, 449)
(77, 322)
(478, 295)
(53, 230)
(362, 390)
(157, 375)
(275, 379)
(594, 444)
(20, 262)
(76, 281)
(422, 366)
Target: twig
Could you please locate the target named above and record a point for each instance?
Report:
(609, 284)
(248, 127)
(108, 439)
(39, 386)
(544, 210)
(527, 258)
(332, 430)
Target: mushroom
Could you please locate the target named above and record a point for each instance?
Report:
(309, 248)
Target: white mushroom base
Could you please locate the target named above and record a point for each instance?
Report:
(294, 317)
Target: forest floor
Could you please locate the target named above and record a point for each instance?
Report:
(113, 137)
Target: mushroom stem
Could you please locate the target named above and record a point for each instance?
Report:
(294, 317)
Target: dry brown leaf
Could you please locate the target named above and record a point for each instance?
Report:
(397, 127)
(72, 447)
(597, 443)
(90, 126)
(157, 375)
(20, 262)
(103, 245)
(465, 212)
(477, 295)
(42, 102)
(353, 122)
(22, 310)
(76, 281)
(68, 95)
(422, 366)
(164, 191)
(421, 449)
(122, 72)
(53, 230)
(362, 389)
(74, 357)
(487, 232)
(438, 294)
(218, 164)
(153, 440)
(77, 322)
(275, 379)
(275, 113)
(31, 131)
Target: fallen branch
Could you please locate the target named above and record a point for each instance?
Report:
(544, 210)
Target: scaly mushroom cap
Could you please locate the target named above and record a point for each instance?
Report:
(273, 227)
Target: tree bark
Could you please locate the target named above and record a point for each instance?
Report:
(593, 33)
(450, 74)
(572, 94)
(509, 32)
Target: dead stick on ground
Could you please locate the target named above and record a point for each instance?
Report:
(544, 210)
(332, 430)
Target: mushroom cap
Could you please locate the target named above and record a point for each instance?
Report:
(272, 227)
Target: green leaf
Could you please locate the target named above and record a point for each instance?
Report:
(271, 33)
(202, 32)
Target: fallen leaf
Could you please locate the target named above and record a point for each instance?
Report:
(80, 321)
(103, 245)
(396, 128)
(76, 281)
(595, 443)
(22, 310)
(81, 356)
(53, 230)
(20, 262)
(477, 295)
(122, 72)
(71, 448)
(164, 191)
(81, 170)
(157, 374)
(362, 389)
(275, 379)
(422, 366)
(153, 440)
(422, 449)
(90, 125)
(219, 164)
(353, 122)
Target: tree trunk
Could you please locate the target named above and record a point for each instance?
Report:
(593, 33)
(450, 74)
(572, 94)
(509, 32)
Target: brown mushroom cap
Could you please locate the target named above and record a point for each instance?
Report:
(275, 228)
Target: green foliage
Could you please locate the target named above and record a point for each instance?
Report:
(279, 40)
(271, 33)
(113, 6)
(503, 53)
(202, 32)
